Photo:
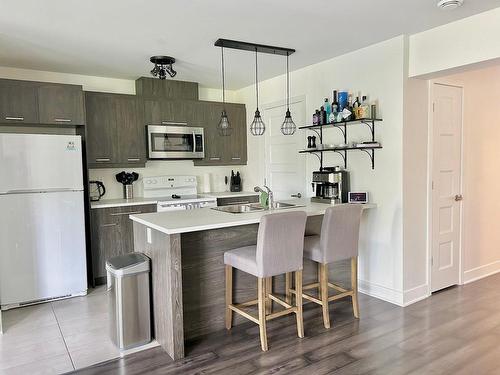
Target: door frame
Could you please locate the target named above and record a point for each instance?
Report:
(281, 103)
(430, 172)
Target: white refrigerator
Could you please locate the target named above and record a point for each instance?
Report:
(42, 219)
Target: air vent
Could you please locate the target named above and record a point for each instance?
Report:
(450, 4)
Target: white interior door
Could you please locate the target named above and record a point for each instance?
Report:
(446, 182)
(284, 166)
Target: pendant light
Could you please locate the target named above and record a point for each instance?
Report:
(224, 126)
(288, 127)
(257, 127)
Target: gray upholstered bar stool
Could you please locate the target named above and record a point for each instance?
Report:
(338, 241)
(279, 250)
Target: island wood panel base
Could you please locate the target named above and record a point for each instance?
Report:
(166, 276)
(192, 304)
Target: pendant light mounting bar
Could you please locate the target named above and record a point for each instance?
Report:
(260, 48)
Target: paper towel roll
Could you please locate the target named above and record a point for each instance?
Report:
(206, 182)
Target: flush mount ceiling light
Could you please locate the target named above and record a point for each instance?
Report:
(257, 127)
(163, 65)
(224, 126)
(450, 4)
(288, 127)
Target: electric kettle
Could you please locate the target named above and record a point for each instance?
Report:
(96, 190)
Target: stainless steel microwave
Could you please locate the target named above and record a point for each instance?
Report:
(175, 141)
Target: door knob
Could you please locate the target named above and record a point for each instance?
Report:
(458, 197)
(298, 195)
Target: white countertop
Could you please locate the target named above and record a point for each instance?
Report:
(109, 203)
(175, 222)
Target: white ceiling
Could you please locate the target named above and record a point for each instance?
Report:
(115, 38)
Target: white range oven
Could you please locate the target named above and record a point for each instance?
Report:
(176, 193)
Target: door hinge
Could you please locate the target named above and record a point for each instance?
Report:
(433, 107)
(432, 261)
(432, 185)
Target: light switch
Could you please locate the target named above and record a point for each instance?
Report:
(148, 236)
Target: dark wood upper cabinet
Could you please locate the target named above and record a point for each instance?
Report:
(18, 102)
(236, 143)
(115, 130)
(130, 130)
(102, 149)
(164, 112)
(219, 149)
(166, 89)
(61, 104)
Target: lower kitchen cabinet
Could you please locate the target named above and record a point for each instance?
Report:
(112, 235)
(241, 199)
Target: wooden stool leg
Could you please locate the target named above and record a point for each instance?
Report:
(288, 285)
(354, 286)
(269, 290)
(229, 296)
(298, 303)
(323, 286)
(262, 312)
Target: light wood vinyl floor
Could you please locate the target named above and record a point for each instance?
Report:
(456, 331)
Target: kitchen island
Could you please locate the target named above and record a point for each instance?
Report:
(186, 250)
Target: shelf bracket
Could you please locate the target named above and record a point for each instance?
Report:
(344, 156)
(343, 129)
(320, 160)
(370, 125)
(371, 155)
(318, 134)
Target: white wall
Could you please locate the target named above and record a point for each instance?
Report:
(377, 71)
(461, 43)
(481, 172)
(123, 86)
(415, 183)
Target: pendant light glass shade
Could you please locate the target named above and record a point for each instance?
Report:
(257, 127)
(288, 127)
(224, 126)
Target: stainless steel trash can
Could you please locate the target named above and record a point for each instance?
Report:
(129, 305)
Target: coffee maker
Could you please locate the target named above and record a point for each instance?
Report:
(331, 185)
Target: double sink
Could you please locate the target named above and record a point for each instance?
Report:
(253, 207)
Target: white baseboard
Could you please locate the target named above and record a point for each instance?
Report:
(381, 292)
(416, 294)
(480, 272)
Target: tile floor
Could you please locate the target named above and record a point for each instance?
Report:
(57, 337)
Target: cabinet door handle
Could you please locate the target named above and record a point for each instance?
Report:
(109, 225)
(62, 120)
(102, 160)
(125, 213)
(14, 118)
(235, 158)
(215, 158)
(298, 195)
(132, 160)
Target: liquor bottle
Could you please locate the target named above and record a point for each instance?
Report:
(350, 108)
(328, 110)
(316, 118)
(364, 109)
(355, 108)
(322, 116)
(335, 99)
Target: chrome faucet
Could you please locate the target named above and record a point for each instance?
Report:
(269, 192)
